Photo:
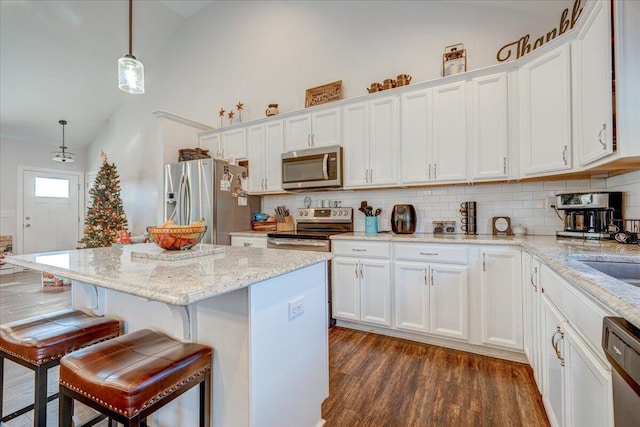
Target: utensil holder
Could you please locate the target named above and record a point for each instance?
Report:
(371, 225)
(287, 225)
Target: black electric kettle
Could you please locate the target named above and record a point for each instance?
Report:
(403, 219)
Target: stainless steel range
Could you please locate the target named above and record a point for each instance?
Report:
(314, 228)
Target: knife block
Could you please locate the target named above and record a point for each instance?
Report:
(287, 225)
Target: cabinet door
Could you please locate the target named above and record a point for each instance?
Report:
(552, 346)
(587, 385)
(383, 141)
(274, 137)
(325, 127)
(211, 142)
(593, 86)
(490, 127)
(450, 133)
(356, 144)
(501, 294)
(375, 291)
(416, 142)
(449, 301)
(345, 288)
(412, 296)
(234, 143)
(530, 283)
(297, 132)
(255, 154)
(545, 113)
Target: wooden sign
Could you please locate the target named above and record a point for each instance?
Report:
(323, 94)
(522, 46)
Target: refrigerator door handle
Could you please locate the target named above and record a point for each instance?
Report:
(187, 200)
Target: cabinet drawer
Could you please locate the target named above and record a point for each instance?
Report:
(456, 254)
(581, 312)
(361, 249)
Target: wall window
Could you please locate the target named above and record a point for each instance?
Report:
(49, 187)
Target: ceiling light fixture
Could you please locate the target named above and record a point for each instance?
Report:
(130, 70)
(63, 155)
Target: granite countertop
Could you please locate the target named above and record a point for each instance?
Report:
(561, 255)
(180, 282)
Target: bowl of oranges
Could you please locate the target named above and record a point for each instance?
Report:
(173, 237)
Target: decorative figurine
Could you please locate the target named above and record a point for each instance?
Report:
(221, 113)
(239, 107)
(231, 113)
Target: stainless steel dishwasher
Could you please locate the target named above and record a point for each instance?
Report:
(621, 343)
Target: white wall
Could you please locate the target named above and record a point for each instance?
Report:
(14, 154)
(262, 52)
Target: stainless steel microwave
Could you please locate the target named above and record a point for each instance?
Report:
(312, 169)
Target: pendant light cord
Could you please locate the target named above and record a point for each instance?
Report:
(130, 27)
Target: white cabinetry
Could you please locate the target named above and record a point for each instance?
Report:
(264, 147)
(490, 127)
(545, 113)
(228, 144)
(576, 378)
(433, 142)
(361, 282)
(371, 143)
(432, 297)
(501, 297)
(249, 241)
(318, 129)
(531, 290)
(592, 78)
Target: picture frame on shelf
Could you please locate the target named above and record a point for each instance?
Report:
(323, 94)
(454, 60)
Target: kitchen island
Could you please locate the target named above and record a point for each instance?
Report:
(263, 311)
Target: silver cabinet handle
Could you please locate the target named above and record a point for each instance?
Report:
(361, 275)
(535, 271)
(265, 184)
(564, 155)
(356, 270)
(435, 171)
(371, 175)
(309, 140)
(429, 253)
(358, 250)
(431, 276)
(604, 128)
(426, 280)
(27, 225)
(313, 140)
(504, 165)
(484, 261)
(555, 343)
(429, 170)
(295, 243)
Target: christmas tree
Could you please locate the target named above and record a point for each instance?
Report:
(105, 216)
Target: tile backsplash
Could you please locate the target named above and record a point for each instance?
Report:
(526, 203)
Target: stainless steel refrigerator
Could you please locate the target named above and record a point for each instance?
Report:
(210, 189)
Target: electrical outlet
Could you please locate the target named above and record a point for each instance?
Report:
(296, 307)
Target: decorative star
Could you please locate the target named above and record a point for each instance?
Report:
(221, 112)
(231, 113)
(239, 105)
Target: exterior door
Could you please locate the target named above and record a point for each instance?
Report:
(51, 211)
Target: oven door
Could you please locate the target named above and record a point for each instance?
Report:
(299, 244)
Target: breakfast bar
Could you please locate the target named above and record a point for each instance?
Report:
(264, 312)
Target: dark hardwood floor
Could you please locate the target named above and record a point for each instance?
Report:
(374, 380)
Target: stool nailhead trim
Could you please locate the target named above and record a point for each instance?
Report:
(57, 356)
(144, 405)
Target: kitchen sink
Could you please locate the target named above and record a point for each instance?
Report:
(626, 271)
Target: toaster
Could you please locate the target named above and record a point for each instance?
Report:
(403, 219)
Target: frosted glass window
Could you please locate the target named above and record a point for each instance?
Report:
(49, 187)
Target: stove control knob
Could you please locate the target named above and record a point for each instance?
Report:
(305, 213)
(333, 213)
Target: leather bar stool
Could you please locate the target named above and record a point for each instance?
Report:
(130, 377)
(39, 342)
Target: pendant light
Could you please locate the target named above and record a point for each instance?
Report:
(63, 155)
(130, 70)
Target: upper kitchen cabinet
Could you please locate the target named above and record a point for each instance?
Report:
(308, 130)
(545, 114)
(264, 148)
(229, 143)
(592, 86)
(371, 143)
(433, 142)
(490, 127)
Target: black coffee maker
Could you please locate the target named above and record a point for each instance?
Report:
(403, 219)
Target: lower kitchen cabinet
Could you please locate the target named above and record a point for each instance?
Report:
(432, 298)
(552, 346)
(531, 295)
(249, 241)
(501, 297)
(361, 286)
